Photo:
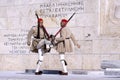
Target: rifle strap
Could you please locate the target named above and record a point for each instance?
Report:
(63, 27)
(38, 32)
(59, 31)
(45, 31)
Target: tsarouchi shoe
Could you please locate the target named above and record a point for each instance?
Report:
(38, 73)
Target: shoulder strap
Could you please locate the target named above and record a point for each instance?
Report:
(38, 33)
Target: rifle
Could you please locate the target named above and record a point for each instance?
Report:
(38, 26)
(45, 33)
(67, 22)
(53, 36)
(71, 16)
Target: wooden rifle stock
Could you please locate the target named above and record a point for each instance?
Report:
(38, 26)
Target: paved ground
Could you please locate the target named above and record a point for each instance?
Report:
(20, 75)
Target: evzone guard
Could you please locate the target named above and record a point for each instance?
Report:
(41, 42)
(37, 39)
(64, 44)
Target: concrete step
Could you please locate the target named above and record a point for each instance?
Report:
(110, 64)
(80, 72)
(31, 71)
(112, 71)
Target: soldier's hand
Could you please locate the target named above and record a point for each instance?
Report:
(52, 37)
(78, 45)
(28, 43)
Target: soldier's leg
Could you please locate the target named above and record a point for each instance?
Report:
(64, 64)
(39, 62)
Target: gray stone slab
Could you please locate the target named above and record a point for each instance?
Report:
(79, 72)
(112, 73)
(14, 75)
(110, 64)
(50, 71)
(30, 71)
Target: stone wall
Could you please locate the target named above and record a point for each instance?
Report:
(95, 26)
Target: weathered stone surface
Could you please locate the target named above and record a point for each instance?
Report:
(110, 64)
(95, 26)
(112, 71)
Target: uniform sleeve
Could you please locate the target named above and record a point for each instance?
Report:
(29, 35)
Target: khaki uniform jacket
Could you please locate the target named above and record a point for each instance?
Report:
(66, 36)
(33, 33)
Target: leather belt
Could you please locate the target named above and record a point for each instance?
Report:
(40, 38)
(67, 38)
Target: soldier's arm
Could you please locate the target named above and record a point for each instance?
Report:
(74, 40)
(30, 33)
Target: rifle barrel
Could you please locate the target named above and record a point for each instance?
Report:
(71, 17)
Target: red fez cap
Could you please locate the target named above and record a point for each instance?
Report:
(64, 20)
(40, 19)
